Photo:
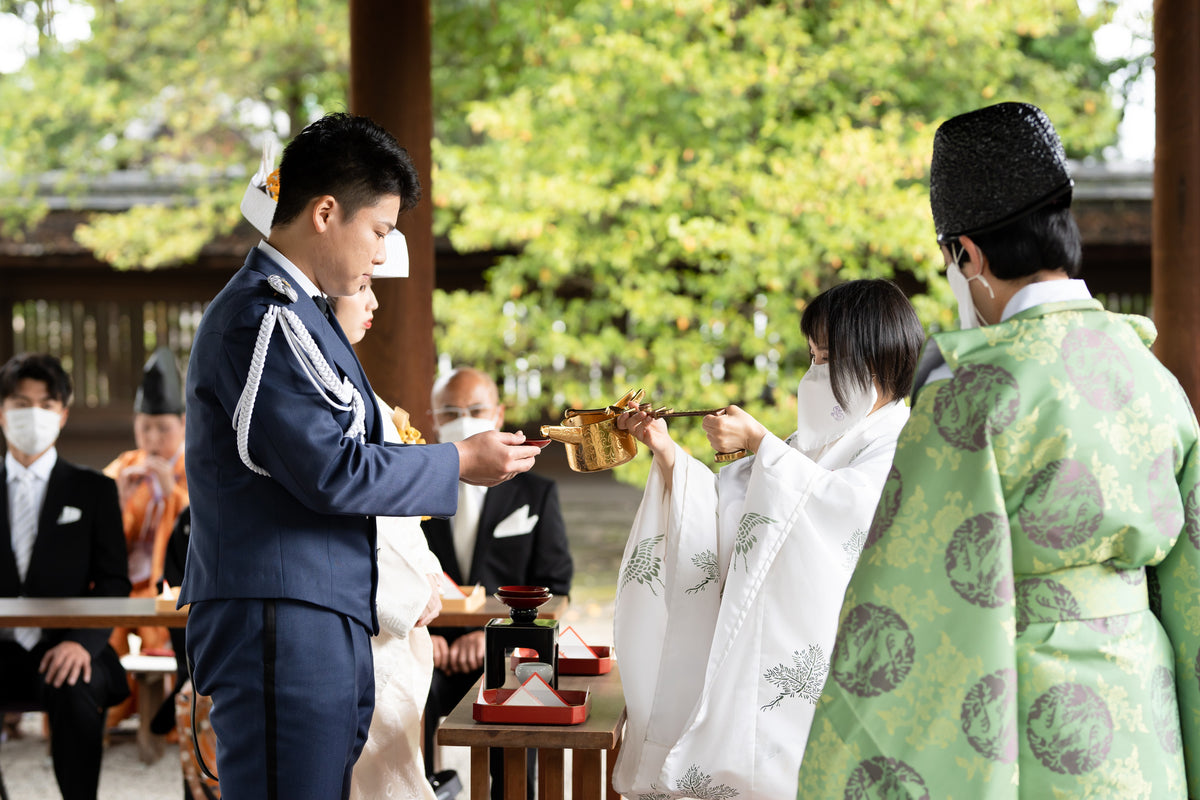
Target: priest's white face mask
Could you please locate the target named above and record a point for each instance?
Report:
(820, 418)
(968, 314)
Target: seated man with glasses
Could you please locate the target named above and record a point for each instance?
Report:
(511, 534)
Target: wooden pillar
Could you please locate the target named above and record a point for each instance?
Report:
(390, 46)
(1176, 243)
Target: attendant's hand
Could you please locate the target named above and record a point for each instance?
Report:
(66, 662)
(434, 606)
(466, 654)
(441, 652)
(733, 430)
(648, 430)
(493, 457)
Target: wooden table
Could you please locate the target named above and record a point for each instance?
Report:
(131, 612)
(85, 612)
(492, 608)
(600, 733)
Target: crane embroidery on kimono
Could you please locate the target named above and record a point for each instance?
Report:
(707, 562)
(643, 566)
(699, 785)
(804, 678)
(745, 539)
(853, 547)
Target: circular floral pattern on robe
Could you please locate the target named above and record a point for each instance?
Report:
(1063, 506)
(1165, 508)
(1070, 729)
(889, 506)
(1113, 626)
(874, 651)
(1098, 369)
(981, 401)
(989, 717)
(1191, 517)
(1044, 600)
(977, 562)
(883, 778)
(1164, 708)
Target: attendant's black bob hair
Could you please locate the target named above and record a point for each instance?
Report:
(871, 331)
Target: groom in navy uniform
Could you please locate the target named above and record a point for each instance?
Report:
(62, 524)
(287, 470)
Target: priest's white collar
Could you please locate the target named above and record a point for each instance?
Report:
(1035, 294)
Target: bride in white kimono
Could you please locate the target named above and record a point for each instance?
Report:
(408, 598)
(730, 585)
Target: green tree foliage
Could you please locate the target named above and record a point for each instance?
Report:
(679, 178)
(675, 178)
(184, 90)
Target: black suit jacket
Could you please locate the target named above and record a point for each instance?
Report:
(83, 557)
(541, 557)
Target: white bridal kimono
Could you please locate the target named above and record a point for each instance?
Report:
(391, 764)
(727, 606)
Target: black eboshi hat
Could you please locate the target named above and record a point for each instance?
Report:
(993, 166)
(161, 391)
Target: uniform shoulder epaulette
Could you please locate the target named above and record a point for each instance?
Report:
(281, 287)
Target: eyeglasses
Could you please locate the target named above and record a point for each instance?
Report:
(450, 413)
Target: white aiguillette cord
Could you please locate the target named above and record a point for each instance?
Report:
(315, 368)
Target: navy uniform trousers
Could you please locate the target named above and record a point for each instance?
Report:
(292, 698)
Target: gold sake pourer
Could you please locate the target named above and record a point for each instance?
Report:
(595, 443)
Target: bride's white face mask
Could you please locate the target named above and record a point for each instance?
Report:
(820, 418)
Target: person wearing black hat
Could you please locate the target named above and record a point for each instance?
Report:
(151, 480)
(152, 486)
(997, 638)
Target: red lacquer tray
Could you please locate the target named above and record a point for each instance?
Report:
(490, 710)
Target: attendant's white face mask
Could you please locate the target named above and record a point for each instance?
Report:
(968, 314)
(464, 427)
(32, 430)
(820, 418)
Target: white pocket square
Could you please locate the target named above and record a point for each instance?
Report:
(68, 515)
(518, 523)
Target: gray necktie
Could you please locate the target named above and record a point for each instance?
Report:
(24, 535)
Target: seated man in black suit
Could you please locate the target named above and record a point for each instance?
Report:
(511, 534)
(62, 525)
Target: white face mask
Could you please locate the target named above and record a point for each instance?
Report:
(960, 285)
(820, 419)
(32, 430)
(464, 427)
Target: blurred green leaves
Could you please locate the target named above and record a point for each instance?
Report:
(679, 178)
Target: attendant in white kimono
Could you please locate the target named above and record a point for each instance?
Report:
(730, 586)
(408, 599)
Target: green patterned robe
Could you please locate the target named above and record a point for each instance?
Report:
(996, 640)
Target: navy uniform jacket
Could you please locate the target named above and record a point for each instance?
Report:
(306, 533)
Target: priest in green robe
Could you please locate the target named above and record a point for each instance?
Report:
(1023, 622)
